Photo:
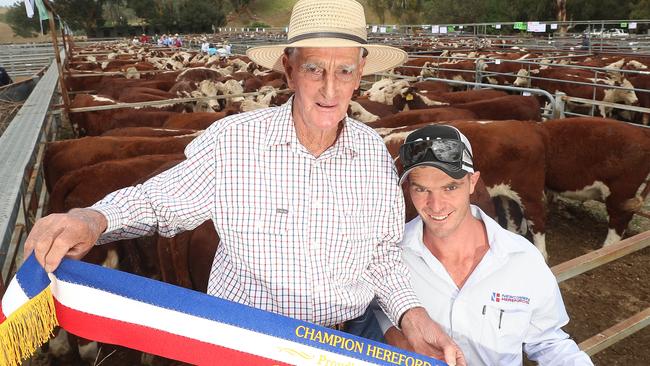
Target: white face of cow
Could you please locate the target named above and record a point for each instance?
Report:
(626, 96)
(208, 88)
(360, 114)
(377, 87)
(385, 92)
(522, 78)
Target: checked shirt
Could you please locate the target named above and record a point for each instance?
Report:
(310, 238)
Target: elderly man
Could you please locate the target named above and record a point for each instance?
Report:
(490, 288)
(305, 200)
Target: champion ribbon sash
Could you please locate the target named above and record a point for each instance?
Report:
(124, 309)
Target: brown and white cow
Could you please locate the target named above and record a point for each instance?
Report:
(600, 159)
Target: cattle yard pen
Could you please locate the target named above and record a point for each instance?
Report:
(23, 197)
(558, 110)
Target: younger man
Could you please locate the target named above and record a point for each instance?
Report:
(489, 289)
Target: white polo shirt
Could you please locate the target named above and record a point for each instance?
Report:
(510, 300)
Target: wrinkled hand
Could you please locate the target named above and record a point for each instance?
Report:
(72, 235)
(395, 337)
(428, 338)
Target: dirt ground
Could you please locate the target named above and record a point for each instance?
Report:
(600, 298)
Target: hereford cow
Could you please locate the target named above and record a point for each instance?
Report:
(95, 123)
(147, 132)
(415, 99)
(418, 116)
(64, 156)
(605, 160)
(554, 80)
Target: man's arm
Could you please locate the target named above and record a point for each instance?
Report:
(546, 342)
(178, 199)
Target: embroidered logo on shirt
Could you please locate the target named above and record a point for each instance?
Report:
(499, 297)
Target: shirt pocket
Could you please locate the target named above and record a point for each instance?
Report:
(259, 241)
(504, 329)
(352, 258)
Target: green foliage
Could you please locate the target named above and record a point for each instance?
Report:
(20, 23)
(598, 9)
(81, 14)
(239, 4)
(200, 15)
(474, 11)
(640, 10)
(258, 24)
(379, 7)
(179, 16)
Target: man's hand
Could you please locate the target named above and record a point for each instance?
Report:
(72, 234)
(428, 338)
(396, 338)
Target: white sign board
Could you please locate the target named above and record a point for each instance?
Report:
(443, 30)
(553, 26)
(498, 26)
(374, 29)
(382, 29)
(632, 25)
(435, 29)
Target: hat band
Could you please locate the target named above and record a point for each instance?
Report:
(347, 36)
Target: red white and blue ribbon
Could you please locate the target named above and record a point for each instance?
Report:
(115, 307)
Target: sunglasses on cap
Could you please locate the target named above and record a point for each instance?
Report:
(446, 151)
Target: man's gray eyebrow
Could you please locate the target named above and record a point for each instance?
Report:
(348, 67)
(311, 63)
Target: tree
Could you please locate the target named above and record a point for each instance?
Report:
(175, 16)
(81, 14)
(20, 23)
(200, 15)
(238, 5)
(640, 10)
(379, 7)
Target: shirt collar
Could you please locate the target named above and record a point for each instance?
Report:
(281, 131)
(499, 239)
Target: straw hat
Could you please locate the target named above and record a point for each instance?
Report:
(329, 23)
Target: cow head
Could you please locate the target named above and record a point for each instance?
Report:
(356, 111)
(384, 90)
(522, 79)
(624, 96)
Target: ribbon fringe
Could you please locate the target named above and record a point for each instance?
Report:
(27, 328)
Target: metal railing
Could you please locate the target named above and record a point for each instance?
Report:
(21, 147)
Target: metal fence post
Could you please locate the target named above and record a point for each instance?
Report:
(558, 110)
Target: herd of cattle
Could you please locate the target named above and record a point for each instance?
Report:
(521, 158)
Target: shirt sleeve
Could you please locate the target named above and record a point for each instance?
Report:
(388, 273)
(546, 342)
(173, 201)
(384, 323)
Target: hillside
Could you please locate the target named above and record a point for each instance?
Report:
(277, 13)
(7, 35)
